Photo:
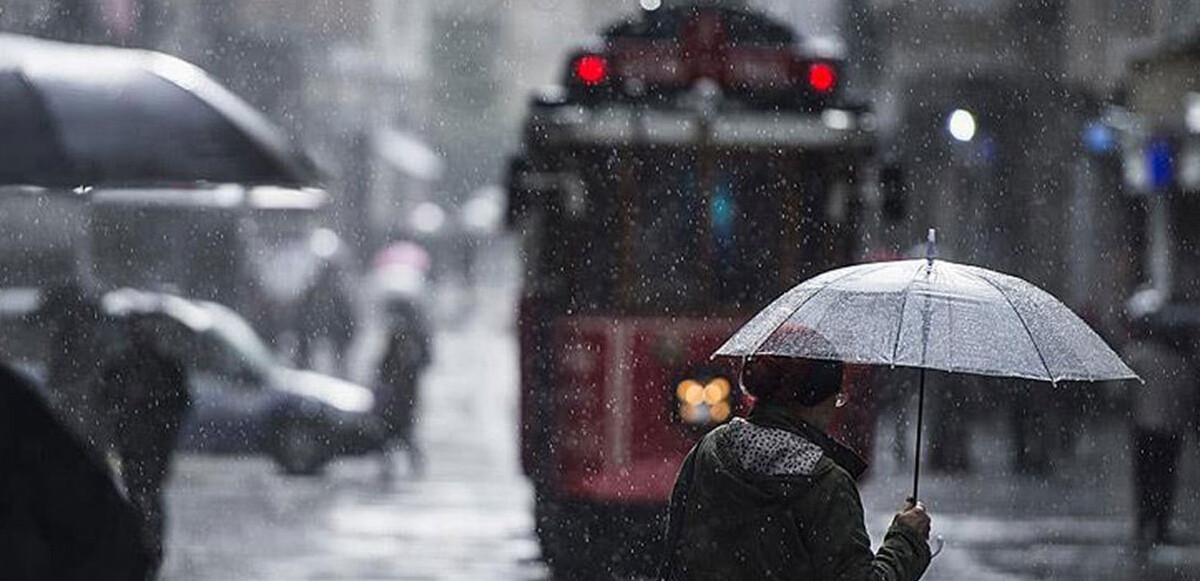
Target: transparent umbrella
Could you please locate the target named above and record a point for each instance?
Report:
(930, 314)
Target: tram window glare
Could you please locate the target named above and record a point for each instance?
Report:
(837, 119)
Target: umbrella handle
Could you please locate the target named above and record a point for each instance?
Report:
(920, 421)
(936, 544)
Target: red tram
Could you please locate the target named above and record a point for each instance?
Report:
(697, 163)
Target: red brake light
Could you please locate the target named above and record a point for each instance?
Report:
(822, 77)
(591, 69)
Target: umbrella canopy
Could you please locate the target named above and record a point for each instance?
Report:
(87, 115)
(931, 314)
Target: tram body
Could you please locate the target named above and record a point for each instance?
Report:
(695, 165)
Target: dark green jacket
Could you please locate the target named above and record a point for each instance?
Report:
(773, 498)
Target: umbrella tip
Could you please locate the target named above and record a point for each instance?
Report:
(931, 245)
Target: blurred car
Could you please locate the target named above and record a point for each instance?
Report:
(244, 400)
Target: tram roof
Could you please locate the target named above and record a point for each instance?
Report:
(617, 125)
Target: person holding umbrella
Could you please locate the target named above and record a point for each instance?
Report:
(925, 314)
(772, 496)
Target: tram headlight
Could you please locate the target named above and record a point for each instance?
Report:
(704, 403)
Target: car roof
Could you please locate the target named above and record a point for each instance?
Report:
(196, 315)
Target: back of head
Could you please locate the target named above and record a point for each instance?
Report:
(791, 381)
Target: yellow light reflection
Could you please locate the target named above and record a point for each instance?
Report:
(687, 387)
(720, 412)
(716, 391)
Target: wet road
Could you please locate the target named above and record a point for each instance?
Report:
(469, 517)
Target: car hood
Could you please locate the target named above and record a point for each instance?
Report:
(332, 391)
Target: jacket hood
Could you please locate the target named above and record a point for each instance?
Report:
(779, 418)
(772, 455)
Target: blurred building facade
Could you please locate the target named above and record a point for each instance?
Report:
(1028, 190)
(1159, 154)
(407, 101)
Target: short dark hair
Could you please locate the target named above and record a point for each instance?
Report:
(791, 380)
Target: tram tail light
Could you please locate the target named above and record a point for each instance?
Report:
(591, 69)
(822, 77)
(704, 403)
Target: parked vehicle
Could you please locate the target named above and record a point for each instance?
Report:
(244, 400)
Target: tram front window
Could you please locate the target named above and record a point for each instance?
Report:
(666, 220)
(670, 233)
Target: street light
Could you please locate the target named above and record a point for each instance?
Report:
(1191, 112)
(961, 125)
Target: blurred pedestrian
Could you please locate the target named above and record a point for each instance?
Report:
(326, 321)
(1163, 408)
(407, 355)
(146, 392)
(61, 515)
(772, 496)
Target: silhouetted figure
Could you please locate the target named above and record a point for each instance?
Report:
(73, 321)
(61, 515)
(1162, 410)
(408, 354)
(146, 392)
(326, 313)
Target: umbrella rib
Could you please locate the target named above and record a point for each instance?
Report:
(1036, 349)
(805, 302)
(903, 307)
